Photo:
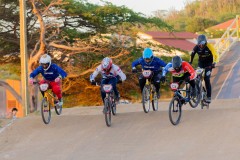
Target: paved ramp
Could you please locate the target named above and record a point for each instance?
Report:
(81, 133)
(226, 76)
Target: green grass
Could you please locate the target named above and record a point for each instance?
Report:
(10, 71)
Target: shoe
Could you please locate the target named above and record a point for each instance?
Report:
(59, 102)
(208, 99)
(117, 98)
(158, 95)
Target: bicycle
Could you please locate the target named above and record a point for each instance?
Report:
(149, 93)
(48, 102)
(175, 106)
(109, 102)
(201, 84)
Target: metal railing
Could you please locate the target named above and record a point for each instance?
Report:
(230, 36)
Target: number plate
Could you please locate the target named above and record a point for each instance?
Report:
(147, 73)
(174, 86)
(107, 88)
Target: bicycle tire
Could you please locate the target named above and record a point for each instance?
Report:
(114, 108)
(46, 111)
(155, 101)
(203, 103)
(58, 109)
(196, 100)
(107, 112)
(175, 109)
(146, 99)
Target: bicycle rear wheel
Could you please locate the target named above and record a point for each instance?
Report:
(58, 109)
(146, 99)
(107, 112)
(203, 102)
(175, 110)
(194, 101)
(154, 101)
(46, 111)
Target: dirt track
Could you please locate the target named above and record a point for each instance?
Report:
(81, 133)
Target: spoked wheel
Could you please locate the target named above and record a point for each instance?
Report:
(146, 99)
(194, 101)
(155, 101)
(46, 111)
(175, 110)
(203, 102)
(58, 109)
(114, 108)
(107, 112)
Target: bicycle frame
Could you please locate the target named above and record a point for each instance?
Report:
(177, 91)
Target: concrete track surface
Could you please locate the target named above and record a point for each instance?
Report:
(81, 134)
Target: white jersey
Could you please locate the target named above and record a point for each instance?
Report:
(115, 70)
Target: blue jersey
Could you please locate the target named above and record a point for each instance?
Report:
(51, 74)
(155, 65)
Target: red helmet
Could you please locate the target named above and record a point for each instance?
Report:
(106, 64)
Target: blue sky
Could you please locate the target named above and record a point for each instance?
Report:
(147, 6)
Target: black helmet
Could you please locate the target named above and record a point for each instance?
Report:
(177, 63)
(202, 41)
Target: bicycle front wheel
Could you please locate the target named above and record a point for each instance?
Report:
(107, 112)
(146, 99)
(46, 111)
(155, 101)
(175, 110)
(58, 109)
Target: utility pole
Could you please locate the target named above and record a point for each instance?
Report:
(24, 57)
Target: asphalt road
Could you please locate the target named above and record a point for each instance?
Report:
(81, 133)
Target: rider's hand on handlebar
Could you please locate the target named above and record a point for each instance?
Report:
(31, 80)
(187, 79)
(119, 81)
(93, 82)
(163, 79)
(213, 65)
(57, 80)
(134, 70)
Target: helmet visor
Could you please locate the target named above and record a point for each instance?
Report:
(177, 69)
(147, 60)
(45, 65)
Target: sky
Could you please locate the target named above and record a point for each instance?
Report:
(147, 6)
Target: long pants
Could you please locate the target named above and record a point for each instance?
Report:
(155, 79)
(207, 76)
(113, 81)
(55, 87)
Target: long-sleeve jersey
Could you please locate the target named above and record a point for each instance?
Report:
(115, 70)
(207, 55)
(51, 74)
(155, 66)
(186, 67)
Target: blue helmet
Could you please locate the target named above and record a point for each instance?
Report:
(147, 53)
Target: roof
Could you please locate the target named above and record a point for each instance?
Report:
(174, 39)
(225, 25)
(172, 35)
(177, 43)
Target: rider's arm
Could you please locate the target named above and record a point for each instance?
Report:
(193, 54)
(187, 67)
(136, 62)
(95, 73)
(61, 72)
(166, 69)
(162, 63)
(214, 53)
(119, 72)
(35, 72)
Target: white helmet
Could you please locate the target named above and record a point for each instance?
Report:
(45, 61)
(106, 64)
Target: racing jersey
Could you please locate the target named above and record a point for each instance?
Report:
(51, 74)
(155, 65)
(115, 70)
(207, 55)
(186, 67)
